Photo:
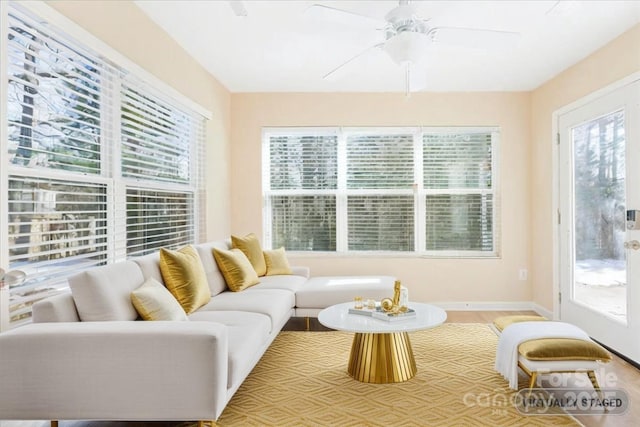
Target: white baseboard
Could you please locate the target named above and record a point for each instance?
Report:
(494, 306)
(541, 310)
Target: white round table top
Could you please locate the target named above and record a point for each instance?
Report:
(338, 317)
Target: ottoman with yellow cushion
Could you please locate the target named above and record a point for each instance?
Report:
(555, 355)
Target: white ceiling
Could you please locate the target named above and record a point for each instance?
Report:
(278, 47)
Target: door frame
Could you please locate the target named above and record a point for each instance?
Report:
(555, 162)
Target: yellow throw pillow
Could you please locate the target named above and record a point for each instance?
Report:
(154, 302)
(184, 275)
(277, 262)
(563, 349)
(236, 269)
(250, 246)
(502, 322)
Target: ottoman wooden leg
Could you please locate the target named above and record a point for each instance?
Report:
(532, 380)
(594, 380)
(596, 386)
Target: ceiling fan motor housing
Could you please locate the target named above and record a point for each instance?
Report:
(406, 35)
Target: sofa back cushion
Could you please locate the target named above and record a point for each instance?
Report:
(150, 266)
(104, 293)
(57, 308)
(215, 279)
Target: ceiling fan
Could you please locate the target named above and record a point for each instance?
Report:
(407, 38)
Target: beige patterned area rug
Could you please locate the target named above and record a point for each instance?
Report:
(302, 381)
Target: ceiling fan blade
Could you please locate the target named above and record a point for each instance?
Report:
(333, 74)
(332, 15)
(564, 8)
(238, 7)
(474, 37)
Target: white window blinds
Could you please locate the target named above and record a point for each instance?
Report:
(56, 228)
(458, 184)
(55, 98)
(379, 161)
(161, 160)
(156, 138)
(303, 162)
(301, 186)
(157, 219)
(100, 164)
(57, 199)
(414, 190)
(380, 200)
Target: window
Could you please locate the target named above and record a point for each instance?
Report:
(161, 147)
(303, 175)
(427, 191)
(100, 165)
(458, 181)
(379, 188)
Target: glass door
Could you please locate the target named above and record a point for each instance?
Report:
(599, 183)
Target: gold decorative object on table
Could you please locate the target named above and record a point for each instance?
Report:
(357, 303)
(392, 305)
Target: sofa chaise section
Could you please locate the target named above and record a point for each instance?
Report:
(116, 370)
(88, 356)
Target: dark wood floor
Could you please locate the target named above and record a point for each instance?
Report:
(627, 377)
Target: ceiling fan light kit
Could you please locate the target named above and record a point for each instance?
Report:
(408, 38)
(408, 47)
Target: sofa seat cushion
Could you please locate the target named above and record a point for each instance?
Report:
(324, 291)
(287, 282)
(275, 303)
(248, 334)
(104, 293)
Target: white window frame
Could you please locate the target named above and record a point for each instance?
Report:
(110, 174)
(418, 190)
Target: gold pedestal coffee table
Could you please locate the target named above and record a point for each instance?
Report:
(381, 350)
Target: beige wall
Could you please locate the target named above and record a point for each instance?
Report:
(613, 62)
(526, 151)
(427, 279)
(123, 26)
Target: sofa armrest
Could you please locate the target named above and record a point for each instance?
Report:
(129, 370)
(301, 271)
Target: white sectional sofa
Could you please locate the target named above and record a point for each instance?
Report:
(87, 356)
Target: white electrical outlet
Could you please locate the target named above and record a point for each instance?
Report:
(522, 274)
